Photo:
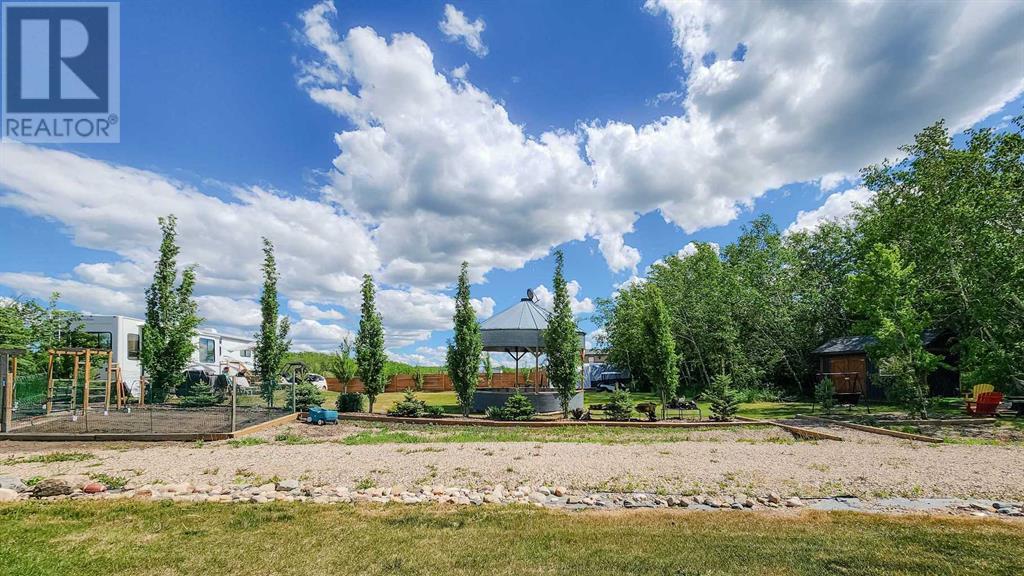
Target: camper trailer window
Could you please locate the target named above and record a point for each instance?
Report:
(133, 346)
(207, 350)
(99, 340)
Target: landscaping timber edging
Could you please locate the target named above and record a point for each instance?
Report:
(363, 417)
(796, 430)
(947, 422)
(147, 437)
(873, 429)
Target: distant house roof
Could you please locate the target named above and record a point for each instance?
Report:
(859, 344)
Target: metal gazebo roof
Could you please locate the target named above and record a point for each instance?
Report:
(517, 328)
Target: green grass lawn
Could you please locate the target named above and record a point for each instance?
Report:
(104, 538)
(416, 434)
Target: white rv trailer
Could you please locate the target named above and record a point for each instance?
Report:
(123, 335)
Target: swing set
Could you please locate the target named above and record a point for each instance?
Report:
(93, 371)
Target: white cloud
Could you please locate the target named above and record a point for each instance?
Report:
(307, 334)
(445, 174)
(222, 310)
(422, 356)
(457, 27)
(546, 298)
(432, 170)
(89, 298)
(837, 208)
(833, 180)
(304, 310)
(691, 248)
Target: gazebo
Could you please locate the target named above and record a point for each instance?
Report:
(518, 331)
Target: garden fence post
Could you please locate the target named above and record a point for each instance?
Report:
(6, 399)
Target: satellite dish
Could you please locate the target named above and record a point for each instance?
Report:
(529, 294)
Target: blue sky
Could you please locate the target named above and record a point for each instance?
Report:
(398, 138)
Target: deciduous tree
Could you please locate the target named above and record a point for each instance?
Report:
(171, 319)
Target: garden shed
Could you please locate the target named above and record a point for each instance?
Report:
(845, 361)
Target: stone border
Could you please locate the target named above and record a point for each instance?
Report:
(873, 429)
(62, 488)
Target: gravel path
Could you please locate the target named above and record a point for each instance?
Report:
(711, 462)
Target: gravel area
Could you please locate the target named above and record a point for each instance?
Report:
(701, 462)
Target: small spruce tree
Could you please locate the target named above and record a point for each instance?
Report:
(466, 346)
(370, 355)
(722, 397)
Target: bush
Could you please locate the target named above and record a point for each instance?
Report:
(823, 392)
(433, 411)
(619, 406)
(722, 398)
(517, 408)
(758, 394)
(306, 395)
(199, 395)
(351, 402)
(409, 406)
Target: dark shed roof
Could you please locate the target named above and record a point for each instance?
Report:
(845, 345)
(859, 344)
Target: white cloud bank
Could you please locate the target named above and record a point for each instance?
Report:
(433, 170)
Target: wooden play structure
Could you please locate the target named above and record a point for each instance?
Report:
(8, 375)
(92, 371)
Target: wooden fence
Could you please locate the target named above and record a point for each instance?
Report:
(441, 382)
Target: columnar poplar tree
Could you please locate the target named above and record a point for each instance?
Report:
(562, 341)
(272, 340)
(464, 349)
(171, 319)
(370, 355)
(661, 361)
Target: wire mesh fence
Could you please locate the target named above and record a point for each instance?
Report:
(203, 404)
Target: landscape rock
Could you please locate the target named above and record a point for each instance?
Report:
(94, 488)
(8, 495)
(794, 502)
(51, 487)
(287, 485)
(11, 483)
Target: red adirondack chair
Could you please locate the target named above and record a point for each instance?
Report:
(985, 405)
